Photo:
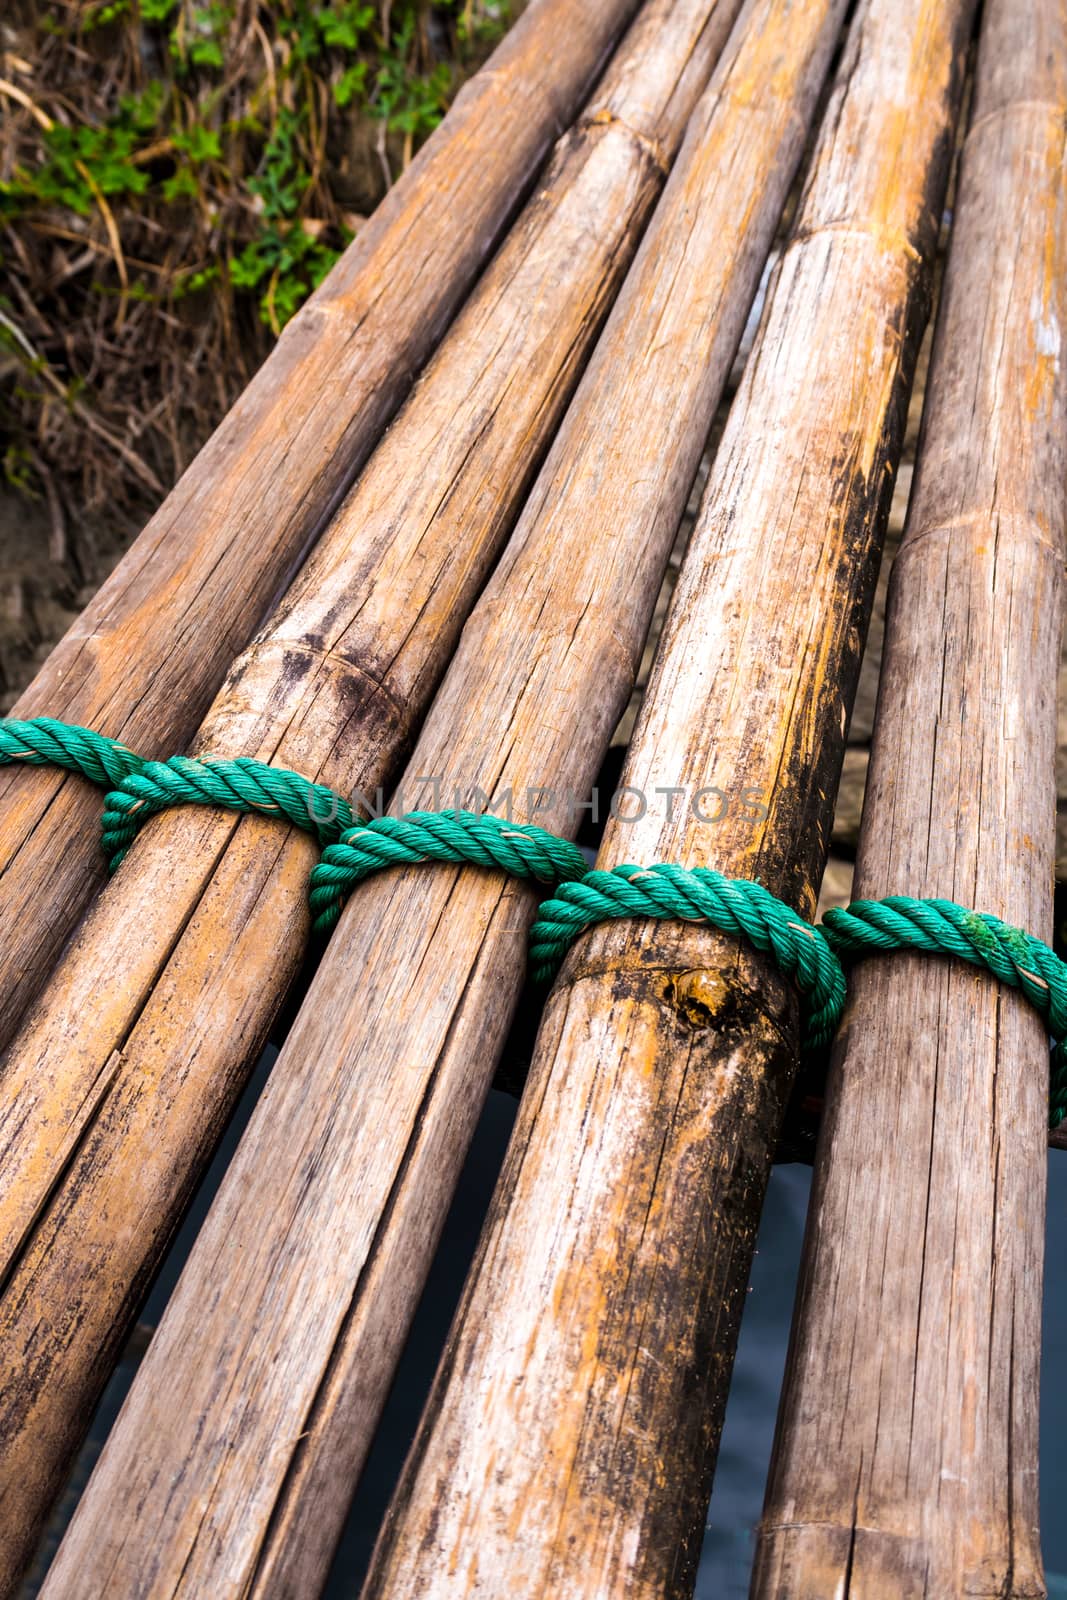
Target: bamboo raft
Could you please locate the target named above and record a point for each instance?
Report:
(419, 561)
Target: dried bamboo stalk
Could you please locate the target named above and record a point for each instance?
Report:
(906, 1461)
(113, 1093)
(267, 1385)
(569, 1443)
(145, 658)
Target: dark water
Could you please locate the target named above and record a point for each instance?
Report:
(746, 1440)
(749, 1426)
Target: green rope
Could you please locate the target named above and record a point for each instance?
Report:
(240, 785)
(45, 743)
(352, 851)
(470, 837)
(941, 927)
(732, 905)
(738, 906)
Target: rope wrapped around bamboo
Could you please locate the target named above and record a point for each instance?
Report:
(207, 920)
(569, 1442)
(365, 1121)
(354, 852)
(906, 1459)
(146, 656)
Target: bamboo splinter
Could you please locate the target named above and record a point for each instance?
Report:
(143, 661)
(269, 1369)
(906, 1458)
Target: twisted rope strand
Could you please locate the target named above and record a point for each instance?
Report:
(44, 742)
(731, 905)
(941, 927)
(240, 785)
(138, 789)
(475, 838)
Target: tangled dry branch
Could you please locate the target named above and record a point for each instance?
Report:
(175, 177)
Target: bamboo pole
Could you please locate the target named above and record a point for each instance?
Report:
(113, 1093)
(906, 1459)
(569, 1442)
(269, 1370)
(145, 658)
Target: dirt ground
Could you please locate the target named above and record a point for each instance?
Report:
(49, 570)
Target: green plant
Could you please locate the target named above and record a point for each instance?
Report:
(176, 176)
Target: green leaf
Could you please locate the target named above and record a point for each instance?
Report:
(182, 185)
(199, 143)
(205, 53)
(106, 14)
(351, 83)
(342, 28)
